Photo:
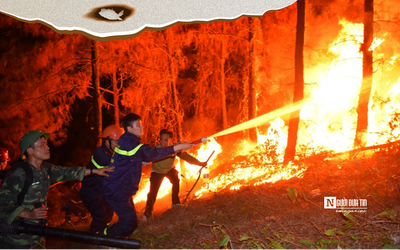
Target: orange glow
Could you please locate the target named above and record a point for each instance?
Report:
(202, 154)
(266, 169)
(328, 120)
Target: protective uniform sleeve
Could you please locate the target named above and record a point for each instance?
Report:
(9, 191)
(150, 153)
(59, 173)
(187, 157)
(101, 157)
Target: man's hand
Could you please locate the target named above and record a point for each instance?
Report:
(203, 164)
(35, 214)
(103, 171)
(183, 146)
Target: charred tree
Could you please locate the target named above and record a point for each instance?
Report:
(252, 81)
(365, 90)
(96, 86)
(298, 83)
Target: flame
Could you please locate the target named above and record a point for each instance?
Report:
(327, 121)
(202, 154)
(329, 118)
(264, 167)
(375, 43)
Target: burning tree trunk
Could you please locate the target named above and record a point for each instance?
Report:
(298, 84)
(365, 90)
(222, 69)
(96, 86)
(115, 96)
(252, 81)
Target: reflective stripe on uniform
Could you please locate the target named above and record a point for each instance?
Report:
(95, 163)
(127, 153)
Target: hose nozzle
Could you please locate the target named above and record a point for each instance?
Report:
(199, 140)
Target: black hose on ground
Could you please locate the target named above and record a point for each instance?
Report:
(84, 237)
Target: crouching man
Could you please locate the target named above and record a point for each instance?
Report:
(92, 187)
(30, 205)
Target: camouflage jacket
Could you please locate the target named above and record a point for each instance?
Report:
(37, 192)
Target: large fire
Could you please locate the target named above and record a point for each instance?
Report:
(327, 122)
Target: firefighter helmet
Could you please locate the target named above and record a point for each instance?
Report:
(112, 132)
(29, 138)
(4, 155)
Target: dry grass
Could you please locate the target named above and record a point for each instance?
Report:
(264, 216)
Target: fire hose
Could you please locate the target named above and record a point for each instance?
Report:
(198, 178)
(85, 237)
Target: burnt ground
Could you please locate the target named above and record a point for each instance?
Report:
(264, 216)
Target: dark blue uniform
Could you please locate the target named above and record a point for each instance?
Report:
(123, 183)
(92, 191)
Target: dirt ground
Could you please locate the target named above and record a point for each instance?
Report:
(286, 214)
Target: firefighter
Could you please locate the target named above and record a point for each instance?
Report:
(123, 183)
(32, 208)
(92, 187)
(165, 168)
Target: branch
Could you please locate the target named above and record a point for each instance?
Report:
(386, 21)
(138, 64)
(111, 104)
(50, 93)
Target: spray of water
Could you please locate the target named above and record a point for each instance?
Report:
(258, 121)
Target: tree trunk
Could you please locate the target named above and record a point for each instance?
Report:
(222, 70)
(176, 104)
(96, 87)
(173, 70)
(115, 95)
(252, 80)
(298, 83)
(365, 90)
(200, 101)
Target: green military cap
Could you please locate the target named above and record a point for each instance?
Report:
(29, 138)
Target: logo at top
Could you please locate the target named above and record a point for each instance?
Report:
(331, 202)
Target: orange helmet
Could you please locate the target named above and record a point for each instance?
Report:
(112, 132)
(4, 155)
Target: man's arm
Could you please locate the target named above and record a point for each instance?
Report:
(9, 191)
(190, 159)
(101, 171)
(150, 153)
(59, 173)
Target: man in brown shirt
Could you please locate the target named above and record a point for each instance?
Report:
(165, 168)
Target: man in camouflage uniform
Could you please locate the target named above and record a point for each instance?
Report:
(33, 209)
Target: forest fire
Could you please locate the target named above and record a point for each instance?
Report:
(328, 121)
(301, 100)
(329, 117)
